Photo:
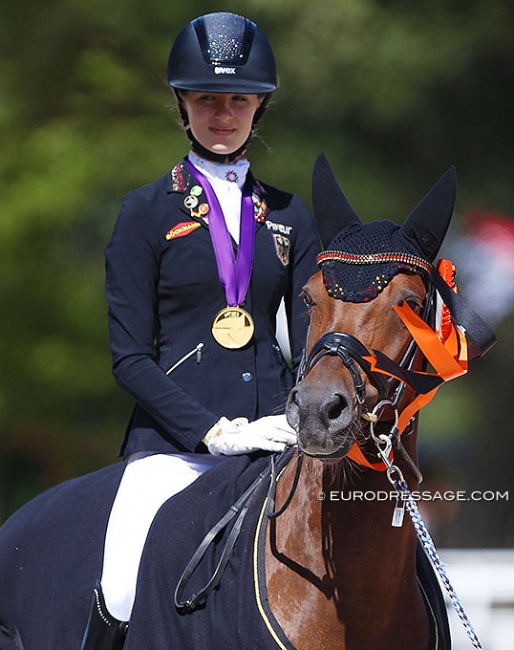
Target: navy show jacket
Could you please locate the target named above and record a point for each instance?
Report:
(163, 292)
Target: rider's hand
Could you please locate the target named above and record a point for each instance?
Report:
(271, 433)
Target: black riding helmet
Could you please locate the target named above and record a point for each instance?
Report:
(222, 53)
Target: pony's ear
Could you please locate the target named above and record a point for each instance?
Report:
(331, 208)
(427, 224)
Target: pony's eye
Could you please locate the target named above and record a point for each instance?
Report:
(414, 304)
(307, 299)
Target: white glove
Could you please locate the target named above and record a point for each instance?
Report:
(271, 433)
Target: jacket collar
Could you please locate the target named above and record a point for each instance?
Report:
(181, 181)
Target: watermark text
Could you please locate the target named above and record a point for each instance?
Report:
(424, 495)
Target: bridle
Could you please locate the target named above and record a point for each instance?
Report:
(447, 354)
(354, 355)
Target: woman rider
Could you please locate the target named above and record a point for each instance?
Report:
(196, 270)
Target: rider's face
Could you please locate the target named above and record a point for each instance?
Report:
(221, 122)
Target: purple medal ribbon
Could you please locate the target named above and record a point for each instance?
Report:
(234, 271)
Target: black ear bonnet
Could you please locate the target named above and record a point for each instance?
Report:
(361, 259)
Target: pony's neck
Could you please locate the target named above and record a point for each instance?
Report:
(341, 554)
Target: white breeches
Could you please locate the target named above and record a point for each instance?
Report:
(147, 482)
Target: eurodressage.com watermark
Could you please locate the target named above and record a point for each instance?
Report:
(424, 495)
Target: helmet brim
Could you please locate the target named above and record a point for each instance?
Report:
(225, 87)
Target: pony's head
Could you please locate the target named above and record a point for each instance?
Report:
(374, 320)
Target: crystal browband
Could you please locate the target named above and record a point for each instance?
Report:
(374, 258)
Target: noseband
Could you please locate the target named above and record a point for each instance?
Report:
(351, 352)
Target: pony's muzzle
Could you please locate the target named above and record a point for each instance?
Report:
(320, 417)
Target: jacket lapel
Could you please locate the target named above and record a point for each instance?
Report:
(260, 207)
(195, 203)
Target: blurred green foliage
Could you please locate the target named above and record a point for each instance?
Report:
(394, 92)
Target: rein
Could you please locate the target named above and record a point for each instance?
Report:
(237, 511)
(274, 514)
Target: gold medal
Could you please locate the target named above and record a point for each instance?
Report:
(233, 328)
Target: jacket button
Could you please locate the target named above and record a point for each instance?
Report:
(247, 376)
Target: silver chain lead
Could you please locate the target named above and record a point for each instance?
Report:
(400, 484)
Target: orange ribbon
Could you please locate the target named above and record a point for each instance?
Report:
(449, 359)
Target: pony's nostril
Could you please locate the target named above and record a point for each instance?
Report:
(293, 409)
(335, 407)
